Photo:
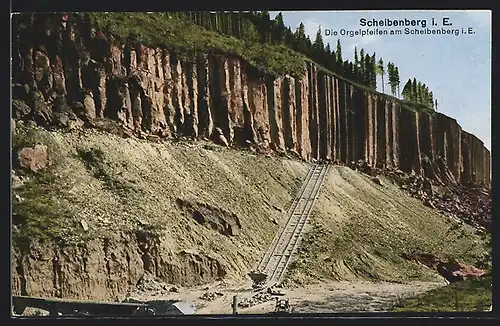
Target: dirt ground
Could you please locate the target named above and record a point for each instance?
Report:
(328, 297)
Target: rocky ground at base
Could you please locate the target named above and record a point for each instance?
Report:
(325, 297)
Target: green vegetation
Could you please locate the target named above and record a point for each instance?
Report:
(417, 91)
(190, 40)
(405, 104)
(470, 295)
(40, 214)
(393, 74)
(485, 262)
(267, 44)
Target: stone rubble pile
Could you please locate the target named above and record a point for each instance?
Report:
(256, 299)
(471, 205)
(211, 296)
(150, 284)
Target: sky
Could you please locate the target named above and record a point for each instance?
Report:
(457, 69)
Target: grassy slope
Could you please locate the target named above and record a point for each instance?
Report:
(357, 229)
(360, 230)
(190, 40)
(117, 185)
(471, 295)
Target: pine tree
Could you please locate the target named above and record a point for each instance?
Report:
(356, 58)
(373, 72)
(368, 70)
(392, 77)
(356, 75)
(419, 94)
(301, 31)
(425, 99)
(364, 62)
(308, 43)
(265, 27)
(346, 69)
(300, 36)
(328, 50)
(381, 71)
(318, 47)
(289, 39)
(279, 32)
(397, 82)
(407, 91)
(436, 105)
(389, 73)
(414, 92)
(431, 100)
(338, 52)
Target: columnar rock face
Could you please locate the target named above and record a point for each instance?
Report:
(151, 90)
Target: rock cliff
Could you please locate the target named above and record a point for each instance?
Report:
(65, 72)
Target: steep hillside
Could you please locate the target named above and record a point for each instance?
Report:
(108, 209)
(187, 213)
(363, 230)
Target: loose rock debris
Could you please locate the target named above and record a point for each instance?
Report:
(256, 299)
(211, 296)
(262, 296)
(471, 205)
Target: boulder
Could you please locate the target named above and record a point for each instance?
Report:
(220, 138)
(454, 272)
(377, 181)
(41, 112)
(20, 109)
(33, 158)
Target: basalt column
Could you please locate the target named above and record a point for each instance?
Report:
(336, 120)
(219, 93)
(205, 114)
(467, 158)
(322, 115)
(370, 140)
(313, 111)
(275, 112)
(345, 91)
(381, 134)
(258, 101)
(249, 129)
(357, 120)
(328, 116)
(449, 144)
(487, 167)
(409, 142)
(289, 117)
(302, 116)
(235, 108)
(395, 130)
(168, 93)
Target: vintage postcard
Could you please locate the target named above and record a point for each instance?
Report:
(251, 162)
